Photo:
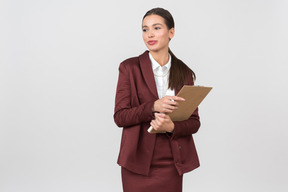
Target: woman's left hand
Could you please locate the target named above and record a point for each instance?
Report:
(162, 123)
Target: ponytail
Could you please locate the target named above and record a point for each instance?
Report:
(179, 72)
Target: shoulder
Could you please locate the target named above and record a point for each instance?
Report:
(130, 62)
(133, 61)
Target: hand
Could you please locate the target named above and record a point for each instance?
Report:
(162, 123)
(167, 104)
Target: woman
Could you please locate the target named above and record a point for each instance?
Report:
(145, 94)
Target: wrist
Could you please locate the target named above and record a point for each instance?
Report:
(171, 130)
(154, 107)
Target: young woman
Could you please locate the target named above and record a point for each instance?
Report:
(145, 94)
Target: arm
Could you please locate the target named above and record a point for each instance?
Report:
(189, 126)
(186, 127)
(179, 128)
(176, 129)
(124, 114)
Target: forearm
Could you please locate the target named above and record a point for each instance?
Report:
(186, 127)
(126, 117)
(127, 110)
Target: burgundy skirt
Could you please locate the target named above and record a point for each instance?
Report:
(163, 176)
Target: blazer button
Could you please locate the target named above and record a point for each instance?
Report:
(180, 147)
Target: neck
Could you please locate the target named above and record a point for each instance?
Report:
(162, 57)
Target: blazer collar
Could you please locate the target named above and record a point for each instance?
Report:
(147, 71)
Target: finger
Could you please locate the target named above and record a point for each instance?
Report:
(156, 120)
(154, 125)
(168, 111)
(170, 107)
(159, 115)
(175, 98)
(160, 121)
(171, 102)
(167, 118)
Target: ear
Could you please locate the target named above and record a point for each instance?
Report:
(171, 33)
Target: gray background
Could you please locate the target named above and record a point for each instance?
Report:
(58, 74)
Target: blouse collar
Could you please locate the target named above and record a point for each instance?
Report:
(156, 66)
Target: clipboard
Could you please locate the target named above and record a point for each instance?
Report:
(193, 96)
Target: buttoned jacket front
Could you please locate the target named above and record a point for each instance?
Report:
(135, 96)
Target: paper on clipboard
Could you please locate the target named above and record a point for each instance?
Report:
(193, 96)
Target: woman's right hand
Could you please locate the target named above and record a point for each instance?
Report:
(167, 104)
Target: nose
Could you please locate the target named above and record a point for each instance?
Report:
(150, 34)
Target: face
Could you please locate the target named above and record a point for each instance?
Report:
(156, 35)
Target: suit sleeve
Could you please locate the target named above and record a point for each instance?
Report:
(189, 126)
(124, 114)
(186, 127)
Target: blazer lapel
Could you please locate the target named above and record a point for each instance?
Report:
(147, 71)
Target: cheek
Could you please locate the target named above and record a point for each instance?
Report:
(143, 36)
(164, 36)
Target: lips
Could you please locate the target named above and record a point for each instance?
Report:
(152, 42)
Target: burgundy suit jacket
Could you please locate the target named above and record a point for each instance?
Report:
(135, 96)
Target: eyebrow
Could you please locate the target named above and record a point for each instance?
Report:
(152, 25)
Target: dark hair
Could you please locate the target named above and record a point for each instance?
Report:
(169, 21)
(179, 70)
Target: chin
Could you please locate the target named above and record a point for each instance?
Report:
(154, 49)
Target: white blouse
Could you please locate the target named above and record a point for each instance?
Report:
(161, 75)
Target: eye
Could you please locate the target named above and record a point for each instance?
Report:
(157, 28)
(144, 30)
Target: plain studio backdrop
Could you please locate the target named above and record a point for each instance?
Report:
(58, 75)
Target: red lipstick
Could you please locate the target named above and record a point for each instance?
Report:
(152, 42)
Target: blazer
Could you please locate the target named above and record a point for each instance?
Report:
(135, 96)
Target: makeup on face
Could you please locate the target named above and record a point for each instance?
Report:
(155, 33)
